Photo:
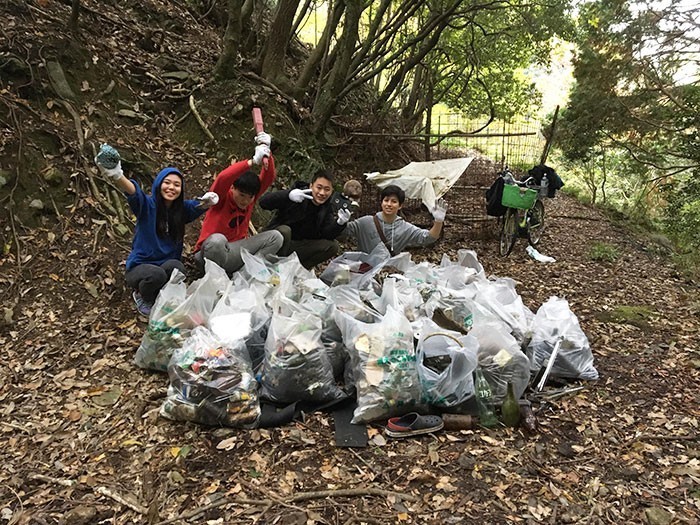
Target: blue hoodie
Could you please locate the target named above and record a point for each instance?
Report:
(147, 247)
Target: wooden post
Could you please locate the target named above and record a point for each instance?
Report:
(548, 144)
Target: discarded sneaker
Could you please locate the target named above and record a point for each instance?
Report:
(142, 305)
(412, 424)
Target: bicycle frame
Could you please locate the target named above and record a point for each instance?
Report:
(529, 225)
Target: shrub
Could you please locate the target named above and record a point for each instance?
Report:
(602, 251)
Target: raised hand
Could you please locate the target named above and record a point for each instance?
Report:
(297, 195)
(440, 210)
(261, 151)
(209, 199)
(114, 173)
(109, 163)
(344, 216)
(263, 138)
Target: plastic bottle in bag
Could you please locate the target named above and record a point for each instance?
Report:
(484, 400)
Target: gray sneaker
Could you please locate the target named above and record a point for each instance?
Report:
(142, 306)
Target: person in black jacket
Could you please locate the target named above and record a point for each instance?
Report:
(306, 218)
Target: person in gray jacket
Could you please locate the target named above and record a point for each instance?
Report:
(387, 228)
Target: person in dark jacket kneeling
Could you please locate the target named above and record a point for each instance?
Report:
(306, 218)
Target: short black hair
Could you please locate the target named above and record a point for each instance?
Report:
(393, 189)
(248, 183)
(322, 174)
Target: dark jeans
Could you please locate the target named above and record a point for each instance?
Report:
(310, 251)
(148, 279)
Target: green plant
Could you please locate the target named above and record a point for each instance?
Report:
(602, 251)
(639, 316)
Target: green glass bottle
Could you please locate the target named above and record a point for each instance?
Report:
(510, 409)
(484, 400)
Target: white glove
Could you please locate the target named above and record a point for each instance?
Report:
(209, 199)
(343, 216)
(297, 195)
(114, 173)
(263, 138)
(261, 151)
(440, 210)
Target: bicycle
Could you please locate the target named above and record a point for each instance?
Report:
(525, 215)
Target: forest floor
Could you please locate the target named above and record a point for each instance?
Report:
(82, 442)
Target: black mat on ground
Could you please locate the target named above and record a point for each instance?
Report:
(347, 434)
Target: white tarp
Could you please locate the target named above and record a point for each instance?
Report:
(427, 181)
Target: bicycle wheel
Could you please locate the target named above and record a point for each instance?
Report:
(509, 232)
(536, 223)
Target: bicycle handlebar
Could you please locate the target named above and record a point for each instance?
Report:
(527, 183)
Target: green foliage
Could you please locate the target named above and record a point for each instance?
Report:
(488, 54)
(604, 252)
(633, 120)
(682, 215)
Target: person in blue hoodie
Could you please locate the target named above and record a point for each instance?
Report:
(160, 227)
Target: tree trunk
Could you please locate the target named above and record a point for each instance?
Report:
(320, 52)
(275, 50)
(337, 77)
(73, 20)
(226, 64)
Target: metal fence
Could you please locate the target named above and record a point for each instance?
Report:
(518, 145)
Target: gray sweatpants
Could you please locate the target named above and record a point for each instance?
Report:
(226, 254)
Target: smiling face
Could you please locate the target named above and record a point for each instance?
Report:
(171, 188)
(390, 207)
(321, 190)
(241, 199)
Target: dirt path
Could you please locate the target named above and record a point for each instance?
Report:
(80, 435)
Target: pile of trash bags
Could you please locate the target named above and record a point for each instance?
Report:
(397, 335)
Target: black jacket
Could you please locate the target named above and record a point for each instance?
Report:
(555, 182)
(292, 213)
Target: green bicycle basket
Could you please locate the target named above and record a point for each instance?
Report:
(517, 197)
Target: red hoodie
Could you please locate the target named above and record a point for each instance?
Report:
(226, 217)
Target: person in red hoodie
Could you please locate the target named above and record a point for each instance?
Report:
(225, 228)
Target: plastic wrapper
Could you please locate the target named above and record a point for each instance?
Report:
(349, 267)
(296, 367)
(384, 365)
(555, 321)
(241, 314)
(455, 308)
(177, 310)
(501, 359)
(398, 293)
(445, 362)
(211, 383)
(350, 301)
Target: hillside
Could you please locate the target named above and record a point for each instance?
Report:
(81, 439)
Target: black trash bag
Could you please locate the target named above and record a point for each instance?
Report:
(296, 366)
(554, 181)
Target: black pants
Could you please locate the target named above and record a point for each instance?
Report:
(148, 279)
(310, 252)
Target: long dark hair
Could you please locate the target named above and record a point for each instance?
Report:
(170, 221)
